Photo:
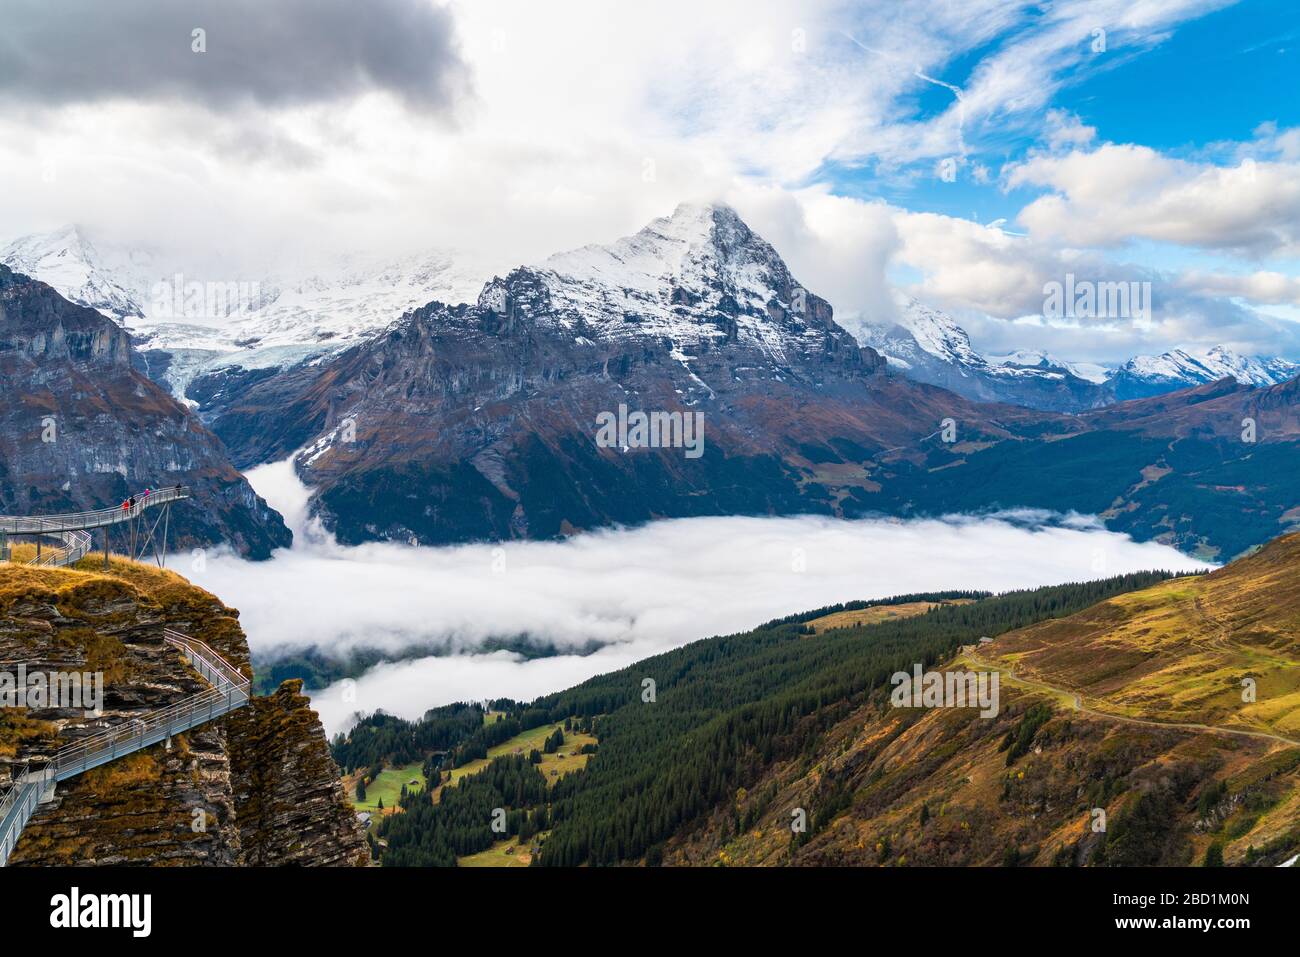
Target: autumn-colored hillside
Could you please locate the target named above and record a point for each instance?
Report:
(1128, 734)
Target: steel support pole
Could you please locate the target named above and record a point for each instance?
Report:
(167, 515)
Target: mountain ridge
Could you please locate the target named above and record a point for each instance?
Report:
(298, 315)
(786, 745)
(83, 429)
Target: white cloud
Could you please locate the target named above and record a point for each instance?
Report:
(1264, 288)
(636, 591)
(966, 264)
(1067, 130)
(1117, 193)
(581, 127)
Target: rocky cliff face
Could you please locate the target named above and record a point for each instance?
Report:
(255, 787)
(80, 429)
(290, 800)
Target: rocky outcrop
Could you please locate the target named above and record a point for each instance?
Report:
(81, 429)
(255, 787)
(292, 809)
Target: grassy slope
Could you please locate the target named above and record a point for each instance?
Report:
(1176, 651)
(502, 854)
(1180, 651)
(386, 787)
(553, 766)
(877, 613)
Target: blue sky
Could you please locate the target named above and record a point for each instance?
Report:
(1213, 80)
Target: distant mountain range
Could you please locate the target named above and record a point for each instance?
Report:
(928, 346)
(479, 421)
(291, 315)
(1154, 375)
(187, 325)
(459, 422)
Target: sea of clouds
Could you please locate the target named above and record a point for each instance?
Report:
(635, 592)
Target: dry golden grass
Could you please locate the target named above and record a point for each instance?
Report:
(1181, 650)
(877, 613)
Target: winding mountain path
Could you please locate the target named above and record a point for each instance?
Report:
(1079, 706)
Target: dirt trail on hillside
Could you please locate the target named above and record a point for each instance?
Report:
(1145, 722)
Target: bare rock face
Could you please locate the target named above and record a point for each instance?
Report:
(292, 809)
(80, 429)
(255, 787)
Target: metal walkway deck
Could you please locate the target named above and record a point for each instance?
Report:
(34, 783)
(73, 527)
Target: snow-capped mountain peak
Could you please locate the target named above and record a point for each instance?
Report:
(938, 334)
(923, 337)
(1028, 359)
(1034, 360)
(700, 275)
(66, 259)
(697, 247)
(208, 318)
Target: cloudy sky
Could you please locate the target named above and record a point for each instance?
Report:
(966, 153)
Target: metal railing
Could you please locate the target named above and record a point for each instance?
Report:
(17, 805)
(76, 546)
(98, 518)
(230, 690)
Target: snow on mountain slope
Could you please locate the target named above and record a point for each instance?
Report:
(1033, 361)
(1180, 368)
(66, 260)
(923, 338)
(939, 335)
(699, 275)
(332, 304)
(1093, 372)
(927, 345)
(190, 321)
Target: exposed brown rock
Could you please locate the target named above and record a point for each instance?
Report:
(292, 809)
(83, 430)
